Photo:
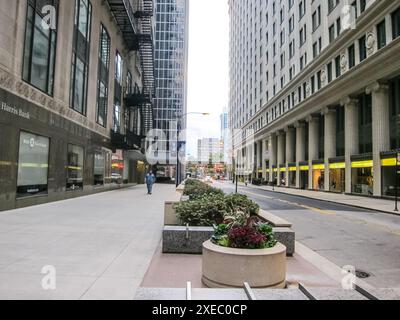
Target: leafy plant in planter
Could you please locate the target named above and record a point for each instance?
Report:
(196, 189)
(254, 234)
(238, 202)
(213, 209)
(206, 210)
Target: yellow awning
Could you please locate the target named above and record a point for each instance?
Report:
(318, 167)
(389, 162)
(339, 165)
(292, 169)
(304, 168)
(362, 164)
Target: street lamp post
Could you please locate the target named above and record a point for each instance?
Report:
(396, 209)
(178, 174)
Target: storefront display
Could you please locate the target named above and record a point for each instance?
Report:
(75, 167)
(389, 177)
(304, 173)
(33, 164)
(318, 177)
(292, 177)
(337, 177)
(99, 169)
(362, 178)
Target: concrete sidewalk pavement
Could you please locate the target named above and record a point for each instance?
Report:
(382, 205)
(99, 245)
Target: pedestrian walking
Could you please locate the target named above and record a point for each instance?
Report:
(150, 180)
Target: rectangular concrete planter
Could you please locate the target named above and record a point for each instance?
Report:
(287, 237)
(179, 239)
(170, 218)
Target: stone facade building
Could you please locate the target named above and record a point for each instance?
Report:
(316, 84)
(76, 89)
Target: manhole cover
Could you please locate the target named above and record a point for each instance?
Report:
(362, 274)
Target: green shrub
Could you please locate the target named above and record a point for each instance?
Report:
(214, 208)
(202, 211)
(197, 189)
(239, 202)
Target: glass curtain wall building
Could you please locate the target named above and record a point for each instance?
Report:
(171, 58)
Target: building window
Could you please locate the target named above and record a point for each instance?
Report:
(117, 117)
(363, 4)
(340, 132)
(395, 114)
(103, 76)
(396, 23)
(316, 19)
(80, 56)
(352, 56)
(331, 33)
(33, 165)
(381, 32)
(99, 169)
(363, 48)
(329, 67)
(337, 67)
(365, 123)
(75, 168)
(40, 48)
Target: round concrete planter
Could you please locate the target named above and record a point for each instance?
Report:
(231, 268)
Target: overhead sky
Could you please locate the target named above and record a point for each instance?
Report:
(208, 82)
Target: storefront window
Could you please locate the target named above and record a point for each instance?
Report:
(292, 178)
(389, 179)
(304, 179)
(75, 167)
(337, 180)
(99, 169)
(33, 164)
(319, 179)
(282, 178)
(363, 181)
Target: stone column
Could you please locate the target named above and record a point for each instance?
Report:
(300, 149)
(264, 159)
(380, 129)
(281, 153)
(273, 156)
(351, 136)
(290, 150)
(330, 141)
(313, 146)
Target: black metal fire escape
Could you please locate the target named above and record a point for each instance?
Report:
(137, 30)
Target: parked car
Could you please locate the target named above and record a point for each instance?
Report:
(116, 178)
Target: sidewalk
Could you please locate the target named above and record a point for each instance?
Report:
(386, 206)
(100, 245)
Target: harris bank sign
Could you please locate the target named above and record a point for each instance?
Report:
(4, 107)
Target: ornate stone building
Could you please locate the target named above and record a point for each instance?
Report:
(316, 85)
(76, 90)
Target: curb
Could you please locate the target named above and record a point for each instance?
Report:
(330, 201)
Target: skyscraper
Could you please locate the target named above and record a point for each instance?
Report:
(171, 59)
(316, 85)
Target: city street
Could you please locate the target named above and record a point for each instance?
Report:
(367, 240)
(100, 245)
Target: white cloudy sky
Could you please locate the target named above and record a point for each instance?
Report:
(208, 81)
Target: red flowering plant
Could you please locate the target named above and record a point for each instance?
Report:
(253, 234)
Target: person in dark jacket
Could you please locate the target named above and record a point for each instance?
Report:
(150, 181)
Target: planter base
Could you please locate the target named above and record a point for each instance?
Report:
(215, 285)
(231, 268)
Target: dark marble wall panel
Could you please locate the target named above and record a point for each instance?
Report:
(61, 131)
